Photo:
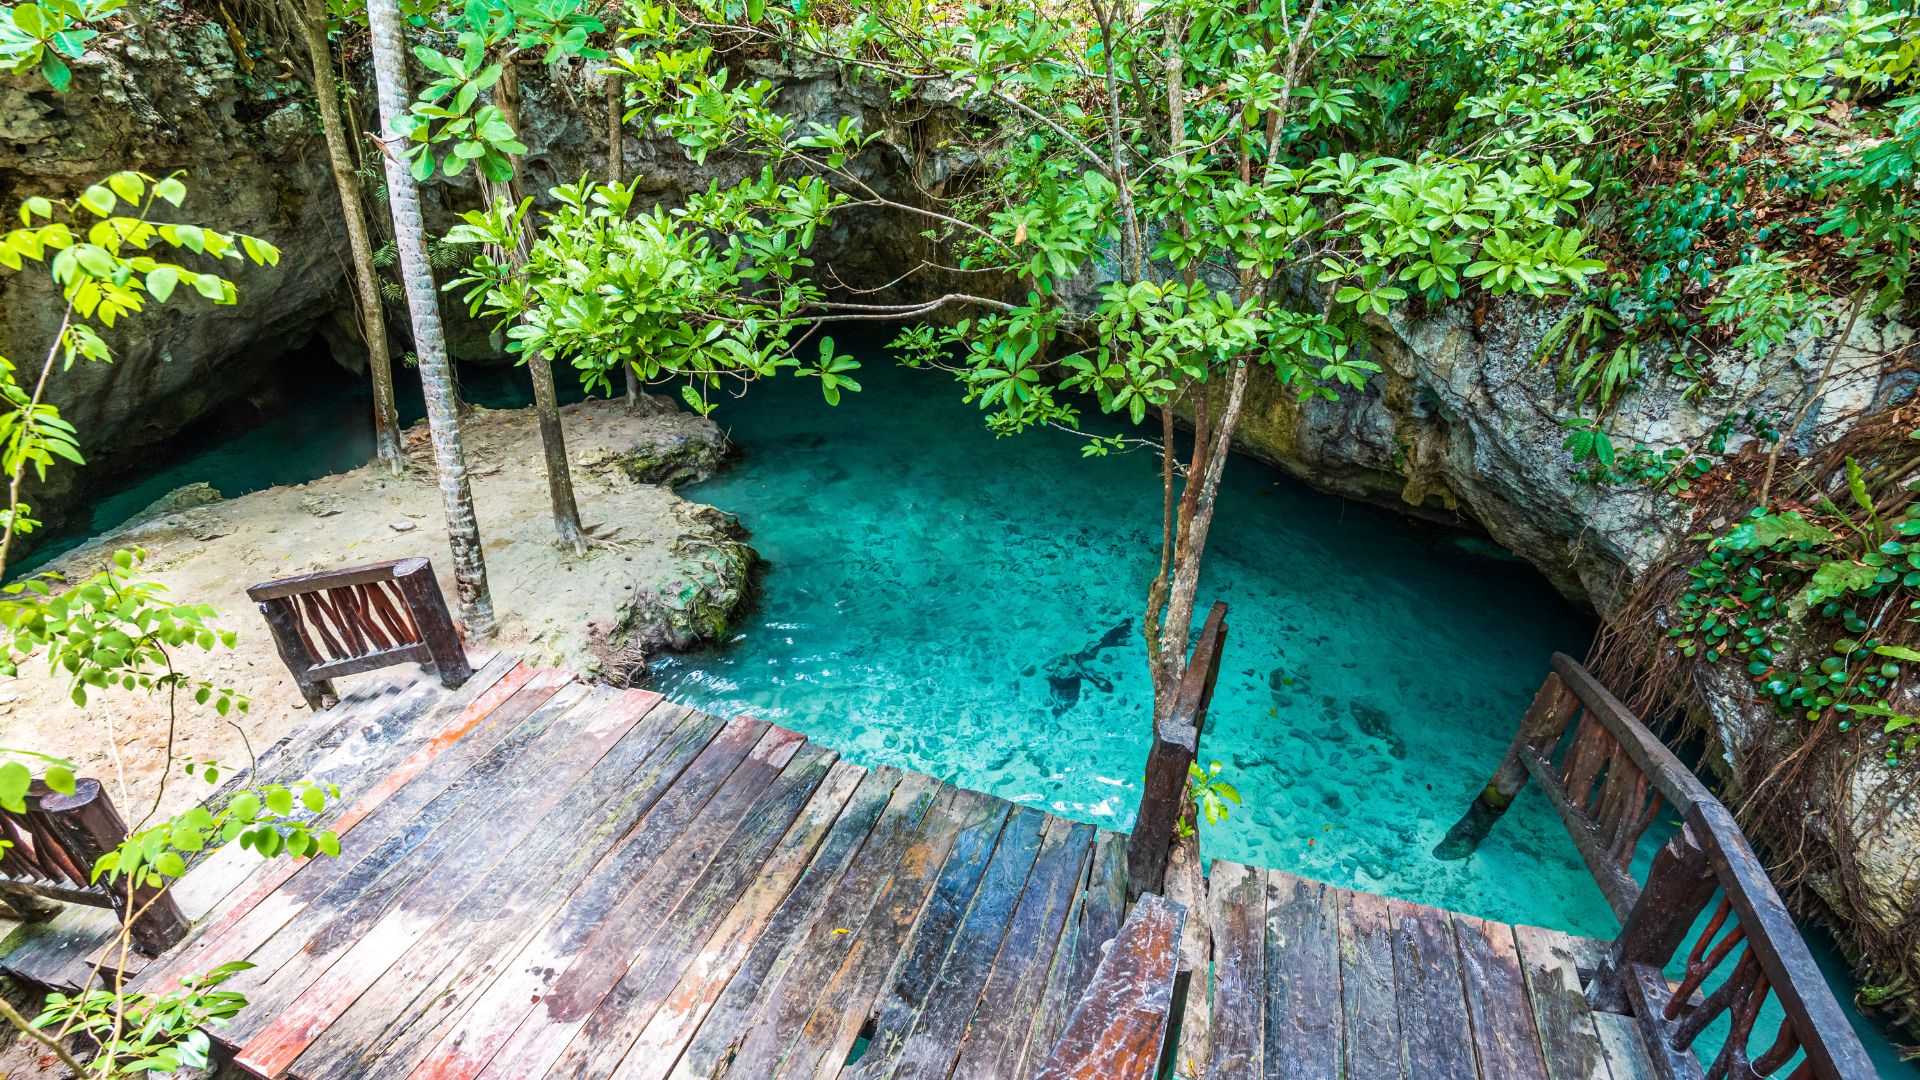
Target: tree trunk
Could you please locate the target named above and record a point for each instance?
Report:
(616, 166)
(553, 439)
(312, 17)
(423, 302)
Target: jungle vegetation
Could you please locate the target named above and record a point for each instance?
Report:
(1166, 199)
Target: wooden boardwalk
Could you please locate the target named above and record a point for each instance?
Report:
(1313, 981)
(542, 878)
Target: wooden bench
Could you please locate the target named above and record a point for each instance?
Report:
(51, 850)
(344, 622)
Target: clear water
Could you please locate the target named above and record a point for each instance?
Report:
(948, 601)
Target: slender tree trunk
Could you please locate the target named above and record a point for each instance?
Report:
(423, 302)
(312, 17)
(616, 149)
(546, 406)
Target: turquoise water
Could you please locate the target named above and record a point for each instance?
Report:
(965, 605)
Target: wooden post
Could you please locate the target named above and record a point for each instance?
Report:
(1545, 719)
(1679, 884)
(1175, 742)
(284, 622)
(89, 827)
(429, 611)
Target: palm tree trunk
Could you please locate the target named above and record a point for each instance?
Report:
(553, 440)
(312, 17)
(429, 341)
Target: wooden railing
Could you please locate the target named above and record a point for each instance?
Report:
(50, 855)
(1608, 777)
(343, 622)
(1119, 1029)
(1175, 741)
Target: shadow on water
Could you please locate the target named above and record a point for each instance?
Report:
(969, 606)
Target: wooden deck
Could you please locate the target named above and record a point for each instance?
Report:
(542, 878)
(1313, 981)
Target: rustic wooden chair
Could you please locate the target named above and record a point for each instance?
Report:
(51, 849)
(344, 622)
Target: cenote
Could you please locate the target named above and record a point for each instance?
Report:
(965, 605)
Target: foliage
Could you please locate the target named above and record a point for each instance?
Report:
(42, 35)
(452, 116)
(710, 292)
(142, 1033)
(1848, 582)
(109, 259)
(1211, 795)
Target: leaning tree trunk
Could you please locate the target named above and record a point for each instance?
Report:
(423, 302)
(312, 17)
(553, 440)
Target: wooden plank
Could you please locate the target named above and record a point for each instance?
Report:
(1368, 992)
(996, 1040)
(393, 1025)
(722, 990)
(1105, 905)
(1436, 1038)
(920, 961)
(779, 970)
(1119, 1028)
(338, 892)
(801, 1031)
(575, 991)
(1237, 995)
(1303, 970)
(603, 1038)
(1568, 1040)
(927, 1049)
(673, 1010)
(461, 856)
(471, 1042)
(1504, 1034)
(1625, 1047)
(489, 718)
(1050, 1015)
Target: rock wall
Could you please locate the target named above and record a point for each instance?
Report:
(169, 99)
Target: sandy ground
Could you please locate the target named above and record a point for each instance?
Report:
(550, 603)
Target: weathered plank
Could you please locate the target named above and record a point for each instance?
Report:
(1504, 1034)
(786, 970)
(1303, 976)
(1368, 991)
(1435, 1036)
(1237, 997)
(348, 952)
(996, 1038)
(1568, 1040)
(252, 913)
(1625, 1046)
(928, 1048)
(1118, 1030)
(926, 949)
(355, 892)
(602, 1040)
(390, 1027)
(1105, 906)
(1050, 1015)
(807, 1033)
(471, 1042)
(821, 842)
(575, 991)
